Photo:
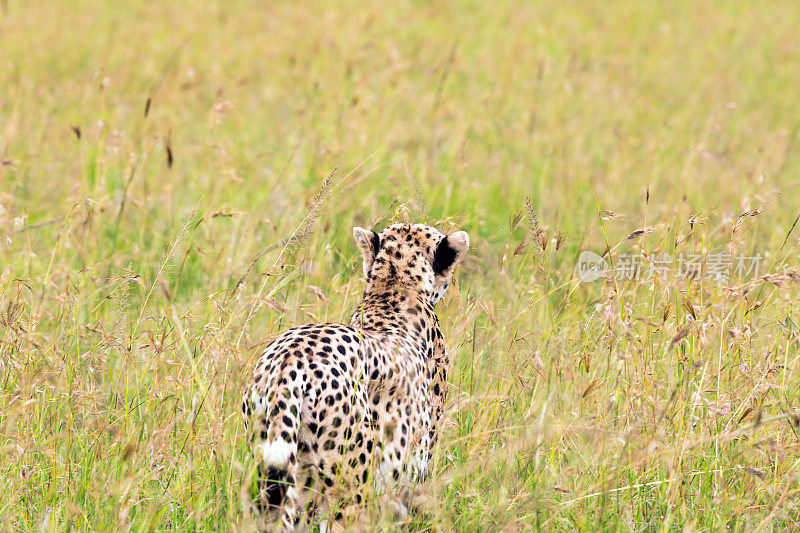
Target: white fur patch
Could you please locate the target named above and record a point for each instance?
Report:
(419, 463)
(259, 403)
(276, 453)
(387, 465)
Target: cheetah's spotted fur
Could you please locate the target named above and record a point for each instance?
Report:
(334, 407)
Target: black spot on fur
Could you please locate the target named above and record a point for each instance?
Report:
(273, 486)
(376, 243)
(443, 257)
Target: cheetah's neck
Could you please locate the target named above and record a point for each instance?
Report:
(395, 310)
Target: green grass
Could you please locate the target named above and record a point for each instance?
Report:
(135, 295)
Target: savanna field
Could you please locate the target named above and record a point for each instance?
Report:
(179, 183)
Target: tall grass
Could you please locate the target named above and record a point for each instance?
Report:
(179, 183)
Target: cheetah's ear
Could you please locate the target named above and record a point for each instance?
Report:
(368, 242)
(449, 252)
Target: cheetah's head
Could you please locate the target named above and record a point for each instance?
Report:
(411, 255)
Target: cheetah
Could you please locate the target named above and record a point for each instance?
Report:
(338, 411)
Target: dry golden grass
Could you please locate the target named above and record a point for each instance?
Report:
(179, 182)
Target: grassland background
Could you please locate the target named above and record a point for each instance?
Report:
(137, 287)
